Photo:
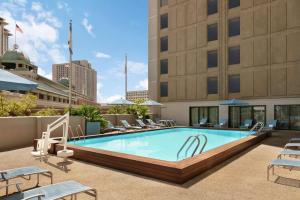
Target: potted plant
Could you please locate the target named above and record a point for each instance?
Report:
(93, 117)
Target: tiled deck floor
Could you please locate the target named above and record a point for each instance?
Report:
(242, 177)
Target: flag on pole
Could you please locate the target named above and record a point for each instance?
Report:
(70, 38)
(18, 28)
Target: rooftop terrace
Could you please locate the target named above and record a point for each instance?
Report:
(241, 177)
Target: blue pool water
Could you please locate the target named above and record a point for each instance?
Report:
(161, 144)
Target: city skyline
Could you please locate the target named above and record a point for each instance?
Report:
(45, 27)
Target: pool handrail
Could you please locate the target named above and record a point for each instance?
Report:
(196, 138)
(201, 150)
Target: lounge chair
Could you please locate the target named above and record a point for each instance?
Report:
(271, 125)
(288, 152)
(152, 123)
(222, 123)
(290, 164)
(25, 173)
(128, 126)
(172, 122)
(247, 124)
(54, 191)
(110, 126)
(203, 122)
(143, 125)
(293, 145)
(167, 123)
(294, 140)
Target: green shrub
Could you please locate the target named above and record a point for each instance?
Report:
(137, 110)
(90, 113)
(47, 112)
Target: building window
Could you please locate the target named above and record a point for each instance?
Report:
(212, 59)
(239, 114)
(212, 7)
(164, 66)
(163, 3)
(164, 44)
(234, 55)
(234, 83)
(41, 96)
(164, 89)
(164, 21)
(212, 85)
(234, 27)
(233, 3)
(212, 32)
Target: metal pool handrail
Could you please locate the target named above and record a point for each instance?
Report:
(196, 138)
(258, 126)
(79, 127)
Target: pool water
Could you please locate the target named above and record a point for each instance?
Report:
(161, 144)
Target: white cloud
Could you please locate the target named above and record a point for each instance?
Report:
(63, 6)
(142, 85)
(102, 55)
(42, 72)
(87, 25)
(111, 98)
(40, 38)
(20, 2)
(137, 67)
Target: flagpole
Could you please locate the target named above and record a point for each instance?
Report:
(70, 67)
(15, 46)
(126, 76)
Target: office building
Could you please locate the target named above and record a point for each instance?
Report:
(134, 95)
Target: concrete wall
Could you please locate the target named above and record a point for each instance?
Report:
(17, 132)
(179, 111)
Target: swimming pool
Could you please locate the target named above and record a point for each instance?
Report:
(153, 153)
(161, 144)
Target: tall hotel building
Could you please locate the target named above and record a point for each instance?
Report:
(84, 78)
(204, 52)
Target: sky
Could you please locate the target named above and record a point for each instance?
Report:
(103, 32)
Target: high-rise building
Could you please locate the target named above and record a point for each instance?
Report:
(84, 78)
(139, 94)
(203, 52)
(4, 34)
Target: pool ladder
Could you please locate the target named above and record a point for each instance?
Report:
(78, 135)
(258, 127)
(192, 139)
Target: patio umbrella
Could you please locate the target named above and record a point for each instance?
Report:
(151, 103)
(234, 102)
(122, 102)
(10, 81)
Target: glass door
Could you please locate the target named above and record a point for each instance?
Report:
(234, 116)
(194, 116)
(246, 114)
(259, 114)
(213, 117)
(282, 115)
(295, 117)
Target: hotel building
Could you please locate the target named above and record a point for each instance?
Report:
(134, 95)
(204, 52)
(84, 78)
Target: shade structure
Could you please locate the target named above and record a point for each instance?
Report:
(10, 81)
(122, 102)
(151, 103)
(234, 102)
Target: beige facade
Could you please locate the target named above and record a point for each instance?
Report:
(269, 66)
(134, 95)
(84, 78)
(4, 34)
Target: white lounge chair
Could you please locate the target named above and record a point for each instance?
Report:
(25, 173)
(152, 123)
(290, 164)
(271, 125)
(247, 124)
(128, 126)
(110, 126)
(222, 123)
(288, 152)
(294, 140)
(293, 145)
(143, 125)
(51, 192)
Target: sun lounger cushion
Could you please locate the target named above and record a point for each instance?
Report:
(13, 173)
(55, 191)
(290, 152)
(286, 163)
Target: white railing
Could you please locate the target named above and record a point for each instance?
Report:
(258, 127)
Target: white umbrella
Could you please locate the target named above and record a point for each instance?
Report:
(151, 103)
(122, 102)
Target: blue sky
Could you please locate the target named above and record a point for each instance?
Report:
(103, 31)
